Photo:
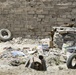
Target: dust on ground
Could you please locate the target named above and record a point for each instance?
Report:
(55, 63)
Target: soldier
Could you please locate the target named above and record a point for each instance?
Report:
(37, 63)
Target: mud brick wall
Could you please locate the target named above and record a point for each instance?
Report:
(35, 18)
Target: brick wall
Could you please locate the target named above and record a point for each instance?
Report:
(35, 18)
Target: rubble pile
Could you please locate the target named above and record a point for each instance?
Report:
(21, 40)
(17, 53)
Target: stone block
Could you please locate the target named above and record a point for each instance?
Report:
(74, 4)
(31, 12)
(45, 13)
(23, 29)
(39, 11)
(20, 26)
(43, 30)
(74, 11)
(16, 29)
(59, 19)
(41, 16)
(39, 19)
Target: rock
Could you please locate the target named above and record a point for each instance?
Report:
(15, 63)
(53, 60)
(60, 68)
(6, 54)
(63, 59)
(8, 48)
(17, 40)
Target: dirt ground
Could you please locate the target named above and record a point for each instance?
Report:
(6, 69)
(21, 70)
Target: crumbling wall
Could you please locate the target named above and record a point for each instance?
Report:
(35, 18)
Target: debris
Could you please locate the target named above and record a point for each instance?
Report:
(17, 53)
(60, 68)
(46, 41)
(40, 50)
(45, 47)
(15, 62)
(53, 60)
(63, 59)
(17, 40)
(16, 50)
(31, 51)
(8, 48)
(5, 34)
